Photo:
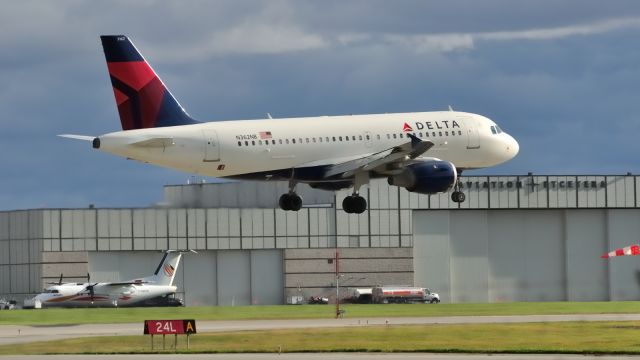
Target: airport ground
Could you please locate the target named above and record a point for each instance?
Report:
(323, 356)
(579, 328)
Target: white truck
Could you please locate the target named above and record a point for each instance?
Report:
(404, 295)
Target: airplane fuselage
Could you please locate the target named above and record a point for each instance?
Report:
(76, 295)
(269, 148)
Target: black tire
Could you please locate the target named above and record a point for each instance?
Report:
(458, 196)
(347, 205)
(354, 204)
(295, 202)
(360, 204)
(284, 202)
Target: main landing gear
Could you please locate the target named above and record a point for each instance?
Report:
(353, 204)
(356, 204)
(290, 201)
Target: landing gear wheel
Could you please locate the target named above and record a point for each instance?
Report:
(296, 202)
(458, 196)
(284, 202)
(290, 202)
(354, 204)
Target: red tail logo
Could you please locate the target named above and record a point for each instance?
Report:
(406, 128)
(168, 270)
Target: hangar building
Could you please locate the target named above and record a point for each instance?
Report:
(516, 238)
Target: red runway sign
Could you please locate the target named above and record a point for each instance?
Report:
(164, 327)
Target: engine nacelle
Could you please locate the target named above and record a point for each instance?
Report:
(427, 177)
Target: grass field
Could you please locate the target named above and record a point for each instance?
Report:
(132, 315)
(574, 337)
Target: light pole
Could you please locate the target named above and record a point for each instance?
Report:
(337, 284)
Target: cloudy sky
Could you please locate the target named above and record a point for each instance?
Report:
(562, 77)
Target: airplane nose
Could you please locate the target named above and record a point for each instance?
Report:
(512, 147)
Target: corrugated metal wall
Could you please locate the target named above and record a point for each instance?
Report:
(20, 253)
(526, 255)
(472, 249)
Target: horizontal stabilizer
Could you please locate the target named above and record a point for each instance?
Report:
(78, 137)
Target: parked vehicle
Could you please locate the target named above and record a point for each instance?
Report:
(318, 300)
(404, 295)
(7, 305)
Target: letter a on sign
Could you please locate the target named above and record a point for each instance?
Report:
(189, 326)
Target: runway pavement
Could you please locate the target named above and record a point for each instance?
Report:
(11, 334)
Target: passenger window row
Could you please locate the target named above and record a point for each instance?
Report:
(330, 139)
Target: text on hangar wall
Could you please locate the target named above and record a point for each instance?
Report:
(553, 184)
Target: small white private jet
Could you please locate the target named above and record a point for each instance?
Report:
(113, 294)
(424, 152)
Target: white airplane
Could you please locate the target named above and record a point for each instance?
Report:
(424, 152)
(113, 294)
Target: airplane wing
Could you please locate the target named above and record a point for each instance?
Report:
(408, 150)
(134, 282)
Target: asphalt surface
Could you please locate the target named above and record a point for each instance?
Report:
(12, 334)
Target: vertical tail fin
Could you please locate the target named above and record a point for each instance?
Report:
(142, 98)
(166, 270)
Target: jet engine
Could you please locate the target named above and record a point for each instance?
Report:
(427, 177)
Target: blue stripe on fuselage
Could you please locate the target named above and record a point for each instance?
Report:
(309, 174)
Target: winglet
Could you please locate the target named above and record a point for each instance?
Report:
(415, 141)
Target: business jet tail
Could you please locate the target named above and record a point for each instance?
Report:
(142, 98)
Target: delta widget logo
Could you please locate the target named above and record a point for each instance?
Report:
(407, 128)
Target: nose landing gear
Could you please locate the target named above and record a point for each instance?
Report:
(457, 196)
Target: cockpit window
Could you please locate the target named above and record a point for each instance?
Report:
(498, 129)
(52, 291)
(493, 130)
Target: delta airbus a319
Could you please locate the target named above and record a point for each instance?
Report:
(423, 152)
